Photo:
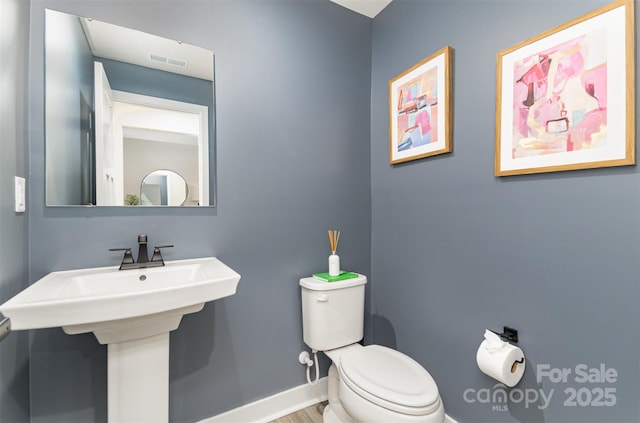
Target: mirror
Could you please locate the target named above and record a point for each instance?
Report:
(163, 188)
(120, 106)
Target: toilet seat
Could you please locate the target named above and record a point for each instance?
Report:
(390, 379)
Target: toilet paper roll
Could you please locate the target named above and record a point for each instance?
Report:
(501, 364)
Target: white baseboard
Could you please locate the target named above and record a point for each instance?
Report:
(275, 406)
(279, 405)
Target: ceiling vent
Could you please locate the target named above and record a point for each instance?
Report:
(168, 60)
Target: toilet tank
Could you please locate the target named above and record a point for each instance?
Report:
(332, 312)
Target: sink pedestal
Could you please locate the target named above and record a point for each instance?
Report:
(137, 363)
(138, 380)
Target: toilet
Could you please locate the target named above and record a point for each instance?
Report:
(367, 384)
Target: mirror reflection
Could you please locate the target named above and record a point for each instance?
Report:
(121, 104)
(162, 188)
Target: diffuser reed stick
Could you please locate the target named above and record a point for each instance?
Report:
(334, 259)
(334, 237)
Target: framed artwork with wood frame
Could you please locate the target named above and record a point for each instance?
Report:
(566, 97)
(420, 109)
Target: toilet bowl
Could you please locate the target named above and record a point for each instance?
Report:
(376, 384)
(370, 384)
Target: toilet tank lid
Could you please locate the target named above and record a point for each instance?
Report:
(315, 284)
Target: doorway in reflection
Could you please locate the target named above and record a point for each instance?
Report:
(150, 134)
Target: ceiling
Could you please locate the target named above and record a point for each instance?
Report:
(107, 40)
(368, 8)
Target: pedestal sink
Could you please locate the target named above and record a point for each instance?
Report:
(132, 311)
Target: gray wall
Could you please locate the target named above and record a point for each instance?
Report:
(14, 350)
(292, 95)
(456, 250)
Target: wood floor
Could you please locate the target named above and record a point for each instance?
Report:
(312, 414)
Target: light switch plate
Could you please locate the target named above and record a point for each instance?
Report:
(20, 190)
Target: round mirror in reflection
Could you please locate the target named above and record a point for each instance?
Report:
(163, 188)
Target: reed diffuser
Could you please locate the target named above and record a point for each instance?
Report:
(334, 259)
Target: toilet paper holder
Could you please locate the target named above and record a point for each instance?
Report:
(508, 334)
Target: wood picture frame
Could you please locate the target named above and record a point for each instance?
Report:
(566, 97)
(420, 109)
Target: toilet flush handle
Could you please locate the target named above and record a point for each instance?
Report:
(322, 298)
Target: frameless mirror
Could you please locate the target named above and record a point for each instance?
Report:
(121, 104)
(162, 188)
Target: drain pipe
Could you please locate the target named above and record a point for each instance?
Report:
(304, 358)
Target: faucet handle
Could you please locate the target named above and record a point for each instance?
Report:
(128, 257)
(157, 256)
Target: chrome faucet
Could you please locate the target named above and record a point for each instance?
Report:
(143, 256)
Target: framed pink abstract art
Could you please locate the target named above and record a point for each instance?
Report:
(420, 109)
(565, 98)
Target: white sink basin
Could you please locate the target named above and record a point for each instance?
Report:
(132, 311)
(86, 296)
